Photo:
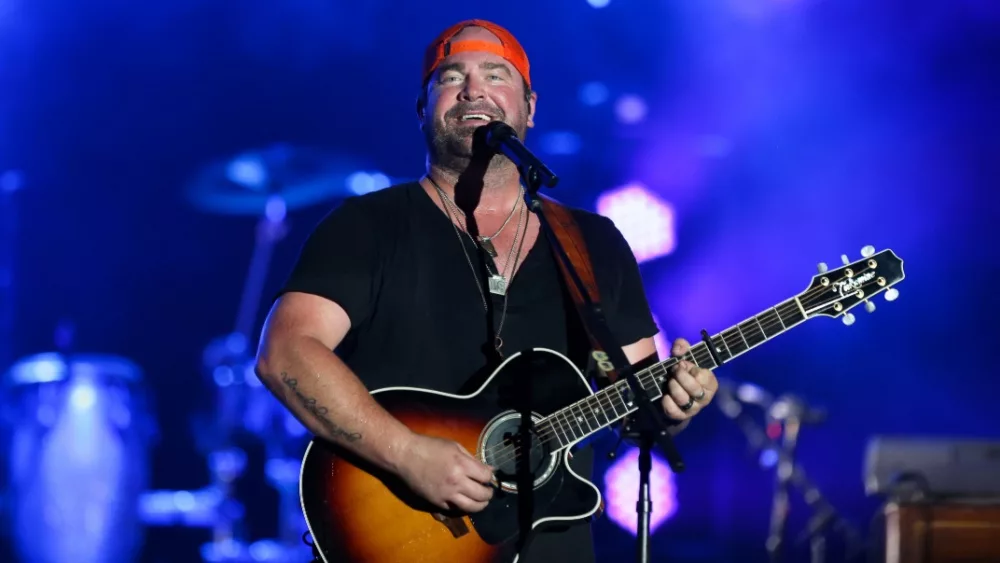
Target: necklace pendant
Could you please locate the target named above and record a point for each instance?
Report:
(487, 245)
(498, 285)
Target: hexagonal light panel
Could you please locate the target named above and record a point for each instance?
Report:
(621, 491)
(646, 221)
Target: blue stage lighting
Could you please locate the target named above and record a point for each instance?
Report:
(593, 93)
(361, 183)
(560, 142)
(630, 109)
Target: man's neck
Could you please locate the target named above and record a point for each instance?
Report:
(493, 190)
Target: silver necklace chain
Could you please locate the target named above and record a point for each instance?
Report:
(498, 342)
(459, 211)
(490, 251)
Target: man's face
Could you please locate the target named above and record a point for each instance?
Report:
(467, 91)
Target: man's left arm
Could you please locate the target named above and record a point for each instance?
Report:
(689, 389)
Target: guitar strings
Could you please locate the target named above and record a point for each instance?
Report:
(547, 425)
(548, 432)
(546, 428)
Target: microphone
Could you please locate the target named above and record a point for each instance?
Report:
(502, 138)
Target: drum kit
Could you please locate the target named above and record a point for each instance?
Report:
(77, 430)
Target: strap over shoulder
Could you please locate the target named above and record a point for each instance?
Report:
(570, 237)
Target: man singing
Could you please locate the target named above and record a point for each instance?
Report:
(431, 283)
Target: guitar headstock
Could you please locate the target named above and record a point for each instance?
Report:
(833, 293)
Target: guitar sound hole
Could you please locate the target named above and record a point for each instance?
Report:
(516, 453)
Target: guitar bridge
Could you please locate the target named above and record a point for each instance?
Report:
(456, 526)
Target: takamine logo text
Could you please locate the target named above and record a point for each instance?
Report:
(850, 285)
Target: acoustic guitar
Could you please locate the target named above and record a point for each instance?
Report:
(523, 421)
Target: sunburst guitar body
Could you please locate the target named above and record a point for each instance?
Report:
(357, 513)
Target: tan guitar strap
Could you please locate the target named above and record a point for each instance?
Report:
(571, 239)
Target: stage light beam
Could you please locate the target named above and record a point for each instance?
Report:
(593, 93)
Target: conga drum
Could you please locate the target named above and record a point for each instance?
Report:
(76, 437)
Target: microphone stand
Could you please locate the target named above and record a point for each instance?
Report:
(650, 424)
(790, 474)
(783, 483)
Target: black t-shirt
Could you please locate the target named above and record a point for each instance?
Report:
(392, 260)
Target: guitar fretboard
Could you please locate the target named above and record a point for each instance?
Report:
(609, 405)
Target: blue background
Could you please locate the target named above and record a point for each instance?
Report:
(783, 132)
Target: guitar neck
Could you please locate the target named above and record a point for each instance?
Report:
(742, 337)
(604, 408)
(832, 293)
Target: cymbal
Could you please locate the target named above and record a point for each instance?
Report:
(47, 367)
(245, 183)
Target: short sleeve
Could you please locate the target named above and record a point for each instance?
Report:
(340, 261)
(629, 315)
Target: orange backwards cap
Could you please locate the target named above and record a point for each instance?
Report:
(509, 49)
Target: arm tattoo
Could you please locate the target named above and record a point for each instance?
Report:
(318, 411)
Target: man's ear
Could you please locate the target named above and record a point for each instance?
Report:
(532, 102)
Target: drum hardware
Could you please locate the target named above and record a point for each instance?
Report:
(67, 420)
(242, 405)
(264, 184)
(246, 183)
(200, 508)
(283, 475)
(205, 508)
(219, 439)
(785, 416)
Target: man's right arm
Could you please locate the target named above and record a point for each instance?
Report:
(296, 362)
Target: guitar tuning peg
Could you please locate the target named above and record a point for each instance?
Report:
(822, 267)
(867, 251)
(848, 319)
(869, 306)
(891, 294)
(844, 259)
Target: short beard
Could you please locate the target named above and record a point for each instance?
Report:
(448, 149)
(453, 150)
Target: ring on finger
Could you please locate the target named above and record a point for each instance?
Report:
(699, 396)
(688, 406)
